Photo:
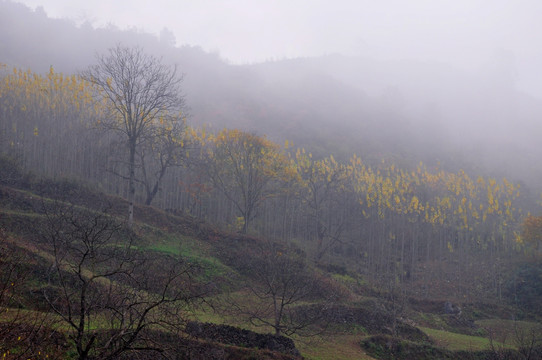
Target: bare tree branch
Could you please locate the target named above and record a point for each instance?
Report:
(143, 95)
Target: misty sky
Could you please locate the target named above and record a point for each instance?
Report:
(470, 34)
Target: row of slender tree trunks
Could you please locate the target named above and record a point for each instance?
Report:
(48, 124)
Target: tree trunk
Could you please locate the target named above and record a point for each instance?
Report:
(247, 216)
(278, 316)
(131, 186)
(151, 193)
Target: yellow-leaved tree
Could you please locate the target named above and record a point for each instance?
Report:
(246, 168)
(531, 232)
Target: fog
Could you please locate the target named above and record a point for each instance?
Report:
(462, 33)
(450, 82)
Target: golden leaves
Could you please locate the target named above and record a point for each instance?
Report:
(54, 91)
(531, 231)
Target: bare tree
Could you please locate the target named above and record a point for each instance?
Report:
(528, 341)
(108, 293)
(166, 148)
(323, 190)
(143, 95)
(26, 331)
(280, 280)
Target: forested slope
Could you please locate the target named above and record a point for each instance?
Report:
(394, 214)
(221, 274)
(404, 110)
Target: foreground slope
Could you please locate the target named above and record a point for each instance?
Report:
(356, 322)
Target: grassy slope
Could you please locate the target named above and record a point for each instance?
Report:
(204, 245)
(454, 341)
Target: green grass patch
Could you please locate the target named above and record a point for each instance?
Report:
(454, 341)
(430, 320)
(21, 213)
(191, 249)
(348, 280)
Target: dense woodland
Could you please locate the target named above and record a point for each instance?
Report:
(392, 224)
(384, 203)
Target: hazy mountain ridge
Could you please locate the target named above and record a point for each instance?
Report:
(408, 111)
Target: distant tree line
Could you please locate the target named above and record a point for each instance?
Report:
(393, 225)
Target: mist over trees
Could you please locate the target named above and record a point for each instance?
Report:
(331, 104)
(393, 216)
(392, 222)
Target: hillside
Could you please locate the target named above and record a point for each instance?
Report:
(28, 208)
(157, 202)
(357, 320)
